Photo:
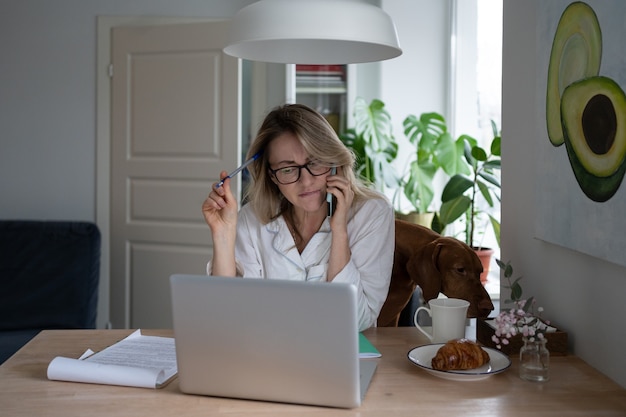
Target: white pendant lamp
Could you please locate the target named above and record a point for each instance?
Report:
(313, 32)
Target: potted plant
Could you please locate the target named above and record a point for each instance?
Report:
(464, 196)
(373, 144)
(435, 150)
(522, 328)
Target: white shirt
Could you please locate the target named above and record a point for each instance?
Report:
(269, 251)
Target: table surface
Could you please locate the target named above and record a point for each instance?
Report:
(399, 387)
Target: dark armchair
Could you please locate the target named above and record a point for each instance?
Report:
(49, 275)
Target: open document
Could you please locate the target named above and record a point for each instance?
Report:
(136, 361)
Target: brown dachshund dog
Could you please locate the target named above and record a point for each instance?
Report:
(437, 264)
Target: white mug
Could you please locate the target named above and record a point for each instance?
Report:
(449, 316)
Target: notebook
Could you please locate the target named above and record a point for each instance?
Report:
(269, 340)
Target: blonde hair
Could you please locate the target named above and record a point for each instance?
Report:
(319, 140)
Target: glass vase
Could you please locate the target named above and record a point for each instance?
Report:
(534, 360)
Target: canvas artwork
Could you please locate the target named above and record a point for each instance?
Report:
(581, 126)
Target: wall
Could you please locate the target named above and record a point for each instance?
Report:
(581, 294)
(417, 81)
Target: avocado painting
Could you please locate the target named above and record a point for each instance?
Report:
(585, 110)
(575, 55)
(582, 68)
(593, 111)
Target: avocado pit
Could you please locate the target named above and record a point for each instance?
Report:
(599, 124)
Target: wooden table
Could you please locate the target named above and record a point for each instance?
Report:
(399, 388)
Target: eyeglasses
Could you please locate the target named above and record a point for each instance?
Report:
(291, 174)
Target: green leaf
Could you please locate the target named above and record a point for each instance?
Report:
(490, 178)
(496, 228)
(506, 267)
(516, 292)
(436, 224)
(419, 187)
(373, 144)
(495, 146)
(373, 122)
(425, 131)
(479, 153)
(471, 142)
(456, 186)
(462, 166)
(494, 128)
(453, 209)
(467, 153)
(381, 167)
(502, 265)
(491, 165)
(529, 304)
(484, 190)
(446, 154)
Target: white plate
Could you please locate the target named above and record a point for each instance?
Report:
(423, 355)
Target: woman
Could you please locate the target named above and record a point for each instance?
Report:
(284, 230)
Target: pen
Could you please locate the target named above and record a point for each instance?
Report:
(238, 170)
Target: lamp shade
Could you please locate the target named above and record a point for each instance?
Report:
(313, 32)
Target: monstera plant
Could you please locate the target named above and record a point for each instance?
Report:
(373, 144)
(434, 149)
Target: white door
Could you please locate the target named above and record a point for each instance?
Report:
(175, 126)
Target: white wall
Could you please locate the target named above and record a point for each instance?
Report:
(582, 294)
(417, 81)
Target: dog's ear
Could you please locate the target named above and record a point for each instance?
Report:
(422, 268)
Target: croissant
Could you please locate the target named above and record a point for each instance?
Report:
(459, 354)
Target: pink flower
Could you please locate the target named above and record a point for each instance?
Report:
(519, 320)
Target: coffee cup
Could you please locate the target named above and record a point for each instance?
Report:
(448, 317)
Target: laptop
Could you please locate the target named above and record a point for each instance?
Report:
(269, 340)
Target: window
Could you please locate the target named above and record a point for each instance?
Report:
(476, 87)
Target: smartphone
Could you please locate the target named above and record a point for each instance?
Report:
(329, 197)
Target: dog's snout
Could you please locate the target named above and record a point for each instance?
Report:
(485, 305)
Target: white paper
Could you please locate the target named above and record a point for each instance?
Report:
(137, 361)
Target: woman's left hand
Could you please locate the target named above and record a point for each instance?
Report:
(340, 252)
(340, 188)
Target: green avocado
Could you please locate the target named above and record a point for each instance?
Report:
(576, 54)
(593, 113)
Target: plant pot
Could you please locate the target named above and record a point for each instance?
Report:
(484, 254)
(423, 219)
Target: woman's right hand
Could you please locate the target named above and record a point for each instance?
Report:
(220, 207)
(220, 213)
